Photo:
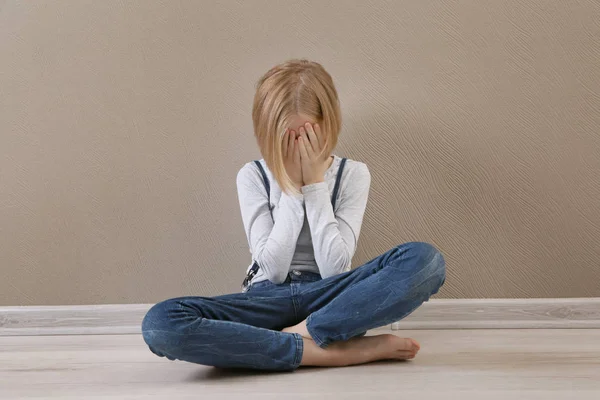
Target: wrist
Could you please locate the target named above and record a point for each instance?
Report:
(309, 191)
(314, 187)
(312, 181)
(295, 196)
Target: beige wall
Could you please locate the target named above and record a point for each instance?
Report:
(123, 124)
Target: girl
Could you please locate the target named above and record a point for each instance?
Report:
(302, 209)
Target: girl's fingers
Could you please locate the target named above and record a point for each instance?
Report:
(320, 137)
(317, 129)
(307, 145)
(296, 152)
(315, 140)
(303, 146)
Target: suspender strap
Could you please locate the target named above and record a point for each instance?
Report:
(338, 179)
(255, 267)
(265, 179)
(267, 184)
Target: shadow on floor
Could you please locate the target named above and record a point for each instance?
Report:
(220, 374)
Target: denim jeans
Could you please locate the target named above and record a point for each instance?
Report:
(242, 330)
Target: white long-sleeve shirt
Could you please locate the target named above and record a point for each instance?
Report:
(305, 233)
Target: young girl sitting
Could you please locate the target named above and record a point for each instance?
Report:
(302, 209)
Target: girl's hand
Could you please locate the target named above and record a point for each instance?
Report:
(291, 158)
(314, 162)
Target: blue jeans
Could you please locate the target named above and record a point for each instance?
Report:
(242, 330)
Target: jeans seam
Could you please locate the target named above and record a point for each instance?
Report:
(299, 351)
(320, 342)
(293, 294)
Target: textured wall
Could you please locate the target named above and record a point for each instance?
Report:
(123, 124)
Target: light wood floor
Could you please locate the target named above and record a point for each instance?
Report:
(454, 364)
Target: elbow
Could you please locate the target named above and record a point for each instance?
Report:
(276, 277)
(272, 273)
(270, 269)
(336, 267)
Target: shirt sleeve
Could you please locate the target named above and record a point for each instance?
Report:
(272, 244)
(335, 235)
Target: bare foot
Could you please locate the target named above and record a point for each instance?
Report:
(360, 350)
(381, 347)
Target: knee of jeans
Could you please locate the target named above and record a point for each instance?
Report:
(159, 325)
(427, 259)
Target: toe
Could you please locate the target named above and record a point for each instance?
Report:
(415, 345)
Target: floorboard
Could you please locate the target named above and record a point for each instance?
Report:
(456, 364)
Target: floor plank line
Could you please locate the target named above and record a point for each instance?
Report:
(462, 364)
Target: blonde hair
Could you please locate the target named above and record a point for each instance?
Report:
(288, 89)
